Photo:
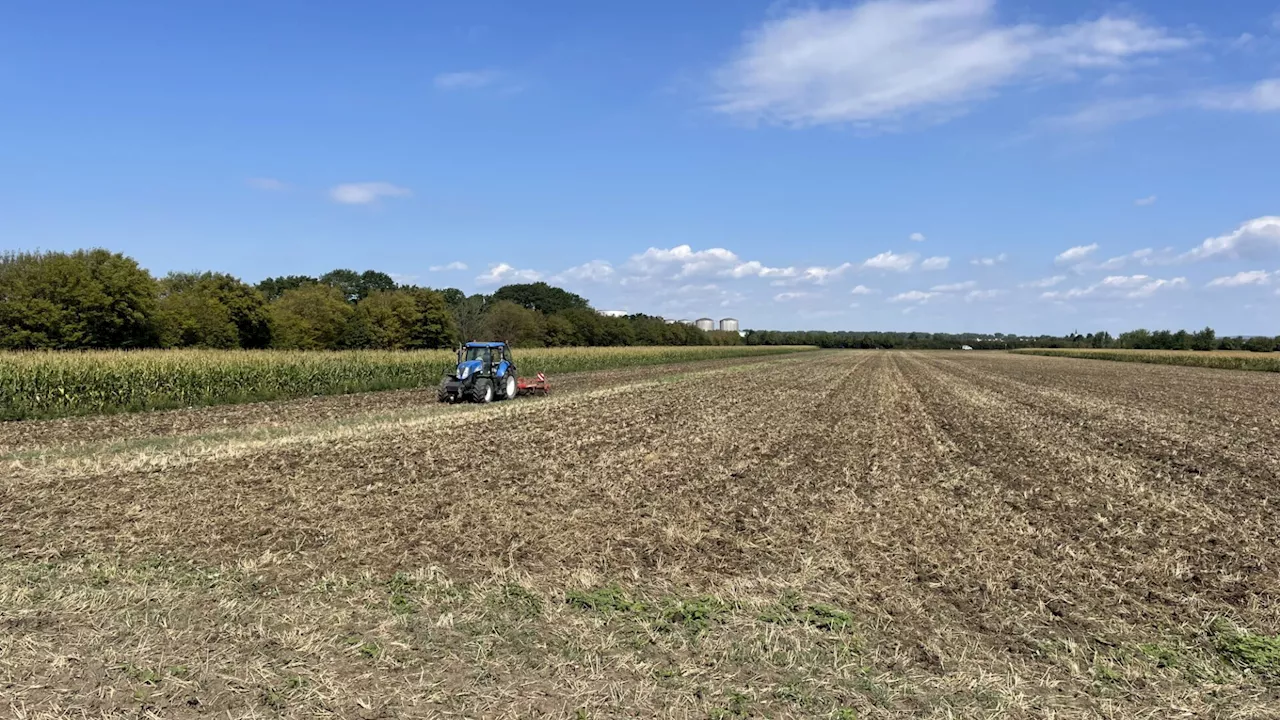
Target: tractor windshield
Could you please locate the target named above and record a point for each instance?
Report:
(479, 353)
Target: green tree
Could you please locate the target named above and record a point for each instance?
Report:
(588, 328)
(559, 331)
(468, 316)
(194, 318)
(385, 320)
(1206, 339)
(272, 288)
(435, 326)
(191, 303)
(84, 299)
(513, 324)
(357, 286)
(452, 296)
(312, 317)
(544, 298)
(1260, 343)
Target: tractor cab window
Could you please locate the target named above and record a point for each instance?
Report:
(506, 353)
(479, 353)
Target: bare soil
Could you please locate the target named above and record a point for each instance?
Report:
(844, 534)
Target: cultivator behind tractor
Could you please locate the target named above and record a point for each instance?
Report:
(536, 385)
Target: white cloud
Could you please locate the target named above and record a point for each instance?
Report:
(936, 263)
(684, 261)
(267, 184)
(863, 290)
(504, 273)
(1119, 286)
(455, 265)
(1248, 277)
(916, 237)
(1255, 238)
(820, 275)
(887, 59)
(594, 271)
(466, 79)
(755, 268)
(891, 261)
(366, 193)
(914, 296)
(956, 287)
(1146, 201)
(1106, 113)
(989, 261)
(1263, 96)
(984, 295)
(1044, 282)
(789, 296)
(1075, 254)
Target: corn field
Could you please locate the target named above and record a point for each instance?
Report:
(1217, 359)
(52, 384)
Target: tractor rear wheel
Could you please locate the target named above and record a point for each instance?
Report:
(482, 391)
(509, 387)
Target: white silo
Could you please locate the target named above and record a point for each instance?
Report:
(705, 324)
(729, 325)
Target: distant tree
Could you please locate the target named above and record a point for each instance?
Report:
(544, 298)
(468, 316)
(511, 323)
(435, 326)
(1206, 339)
(588, 326)
(559, 331)
(1230, 343)
(384, 320)
(187, 315)
(312, 317)
(1181, 340)
(272, 288)
(356, 286)
(452, 296)
(190, 305)
(1260, 343)
(83, 299)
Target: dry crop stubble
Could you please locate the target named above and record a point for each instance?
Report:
(886, 534)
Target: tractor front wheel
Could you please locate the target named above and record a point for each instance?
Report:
(482, 391)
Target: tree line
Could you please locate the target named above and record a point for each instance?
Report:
(99, 299)
(1205, 339)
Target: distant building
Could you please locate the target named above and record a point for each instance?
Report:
(670, 321)
(729, 325)
(705, 324)
(685, 322)
(614, 313)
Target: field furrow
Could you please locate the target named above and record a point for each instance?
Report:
(869, 534)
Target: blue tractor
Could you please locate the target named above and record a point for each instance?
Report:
(485, 373)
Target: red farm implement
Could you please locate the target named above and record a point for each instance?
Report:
(536, 385)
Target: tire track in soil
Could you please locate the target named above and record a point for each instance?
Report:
(690, 474)
(1124, 535)
(32, 435)
(1189, 431)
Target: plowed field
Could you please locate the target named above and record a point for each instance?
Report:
(840, 534)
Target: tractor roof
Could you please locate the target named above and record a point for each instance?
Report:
(486, 344)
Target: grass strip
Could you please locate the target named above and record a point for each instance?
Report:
(1260, 362)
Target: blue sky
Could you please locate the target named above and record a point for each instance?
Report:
(940, 165)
